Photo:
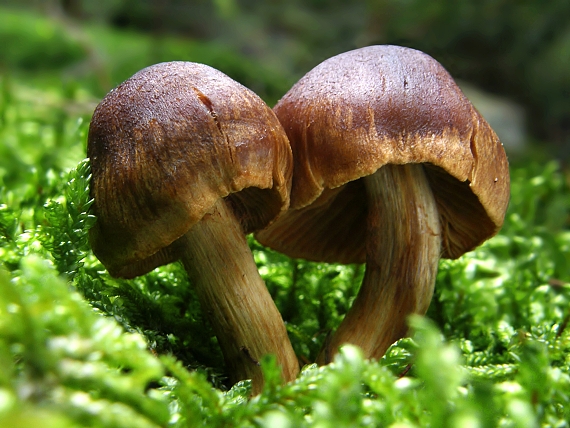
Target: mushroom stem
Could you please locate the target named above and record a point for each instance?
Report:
(234, 298)
(403, 248)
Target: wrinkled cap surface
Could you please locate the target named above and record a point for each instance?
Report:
(165, 146)
(381, 105)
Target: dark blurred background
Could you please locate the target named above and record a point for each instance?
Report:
(512, 57)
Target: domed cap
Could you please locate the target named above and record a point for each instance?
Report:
(381, 105)
(164, 147)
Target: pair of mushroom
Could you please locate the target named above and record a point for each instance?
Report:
(374, 156)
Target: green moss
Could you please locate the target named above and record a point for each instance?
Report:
(33, 43)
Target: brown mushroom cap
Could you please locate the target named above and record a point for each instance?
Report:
(164, 147)
(381, 105)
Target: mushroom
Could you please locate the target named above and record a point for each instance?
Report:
(185, 162)
(394, 167)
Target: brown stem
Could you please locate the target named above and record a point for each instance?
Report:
(403, 247)
(234, 297)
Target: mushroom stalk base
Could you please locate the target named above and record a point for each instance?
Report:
(403, 247)
(234, 298)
